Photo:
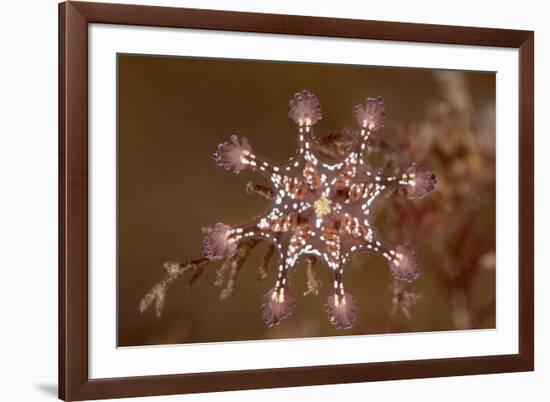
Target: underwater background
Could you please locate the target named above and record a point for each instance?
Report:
(174, 111)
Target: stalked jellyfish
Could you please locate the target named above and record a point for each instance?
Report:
(318, 210)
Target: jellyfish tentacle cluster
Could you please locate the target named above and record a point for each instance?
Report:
(319, 208)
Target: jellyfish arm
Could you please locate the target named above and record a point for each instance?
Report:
(416, 181)
(237, 155)
(401, 259)
(370, 116)
(340, 306)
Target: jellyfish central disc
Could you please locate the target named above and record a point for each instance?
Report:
(322, 207)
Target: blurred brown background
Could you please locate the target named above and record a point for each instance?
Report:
(172, 114)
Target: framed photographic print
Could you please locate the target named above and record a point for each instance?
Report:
(258, 200)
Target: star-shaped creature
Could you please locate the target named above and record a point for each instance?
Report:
(319, 209)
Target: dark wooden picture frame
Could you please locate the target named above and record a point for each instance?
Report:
(74, 381)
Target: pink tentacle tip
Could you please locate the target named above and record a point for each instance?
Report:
(233, 155)
(218, 242)
(371, 114)
(341, 310)
(403, 266)
(421, 181)
(305, 109)
(278, 305)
